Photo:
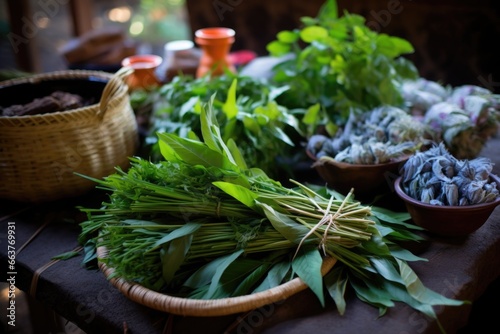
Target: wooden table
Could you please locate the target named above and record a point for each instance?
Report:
(457, 268)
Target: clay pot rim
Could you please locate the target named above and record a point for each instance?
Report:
(153, 60)
(214, 35)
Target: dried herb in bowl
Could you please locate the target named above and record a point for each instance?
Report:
(382, 135)
(436, 177)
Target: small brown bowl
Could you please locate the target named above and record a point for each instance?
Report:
(366, 180)
(448, 221)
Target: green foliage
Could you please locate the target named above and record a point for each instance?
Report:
(340, 63)
(245, 109)
(202, 227)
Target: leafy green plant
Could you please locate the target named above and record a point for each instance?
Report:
(338, 65)
(195, 223)
(245, 108)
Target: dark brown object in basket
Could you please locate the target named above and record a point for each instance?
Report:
(57, 101)
(37, 106)
(42, 155)
(68, 101)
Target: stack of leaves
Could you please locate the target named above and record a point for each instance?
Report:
(339, 65)
(202, 224)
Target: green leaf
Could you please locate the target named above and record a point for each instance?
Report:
(336, 283)
(226, 261)
(192, 152)
(399, 293)
(166, 151)
(289, 228)
(308, 21)
(66, 255)
(236, 154)
(389, 216)
(393, 46)
(237, 280)
(251, 123)
(386, 269)
(313, 33)
(377, 246)
(191, 105)
(203, 275)
(277, 48)
(89, 249)
(401, 233)
(230, 130)
(275, 276)
(251, 279)
(287, 36)
(207, 120)
(277, 91)
(184, 230)
(214, 132)
(421, 293)
(240, 193)
(372, 295)
(307, 265)
(405, 255)
(312, 114)
(230, 107)
(173, 256)
(281, 135)
(293, 122)
(328, 11)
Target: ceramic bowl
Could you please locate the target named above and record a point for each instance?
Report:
(367, 180)
(447, 221)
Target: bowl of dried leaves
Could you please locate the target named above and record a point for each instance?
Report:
(448, 196)
(368, 152)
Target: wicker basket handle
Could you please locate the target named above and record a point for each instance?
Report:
(112, 87)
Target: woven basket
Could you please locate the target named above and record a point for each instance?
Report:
(204, 307)
(40, 154)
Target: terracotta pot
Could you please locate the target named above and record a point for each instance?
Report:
(215, 44)
(144, 75)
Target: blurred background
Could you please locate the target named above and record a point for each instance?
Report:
(454, 40)
(34, 33)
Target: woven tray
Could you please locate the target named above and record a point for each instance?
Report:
(202, 307)
(40, 154)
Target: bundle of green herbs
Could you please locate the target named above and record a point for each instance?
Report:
(336, 65)
(246, 110)
(203, 224)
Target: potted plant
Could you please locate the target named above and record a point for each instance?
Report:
(336, 65)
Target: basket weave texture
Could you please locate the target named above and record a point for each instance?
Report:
(40, 154)
(204, 307)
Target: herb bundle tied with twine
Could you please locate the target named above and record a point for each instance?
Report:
(202, 224)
